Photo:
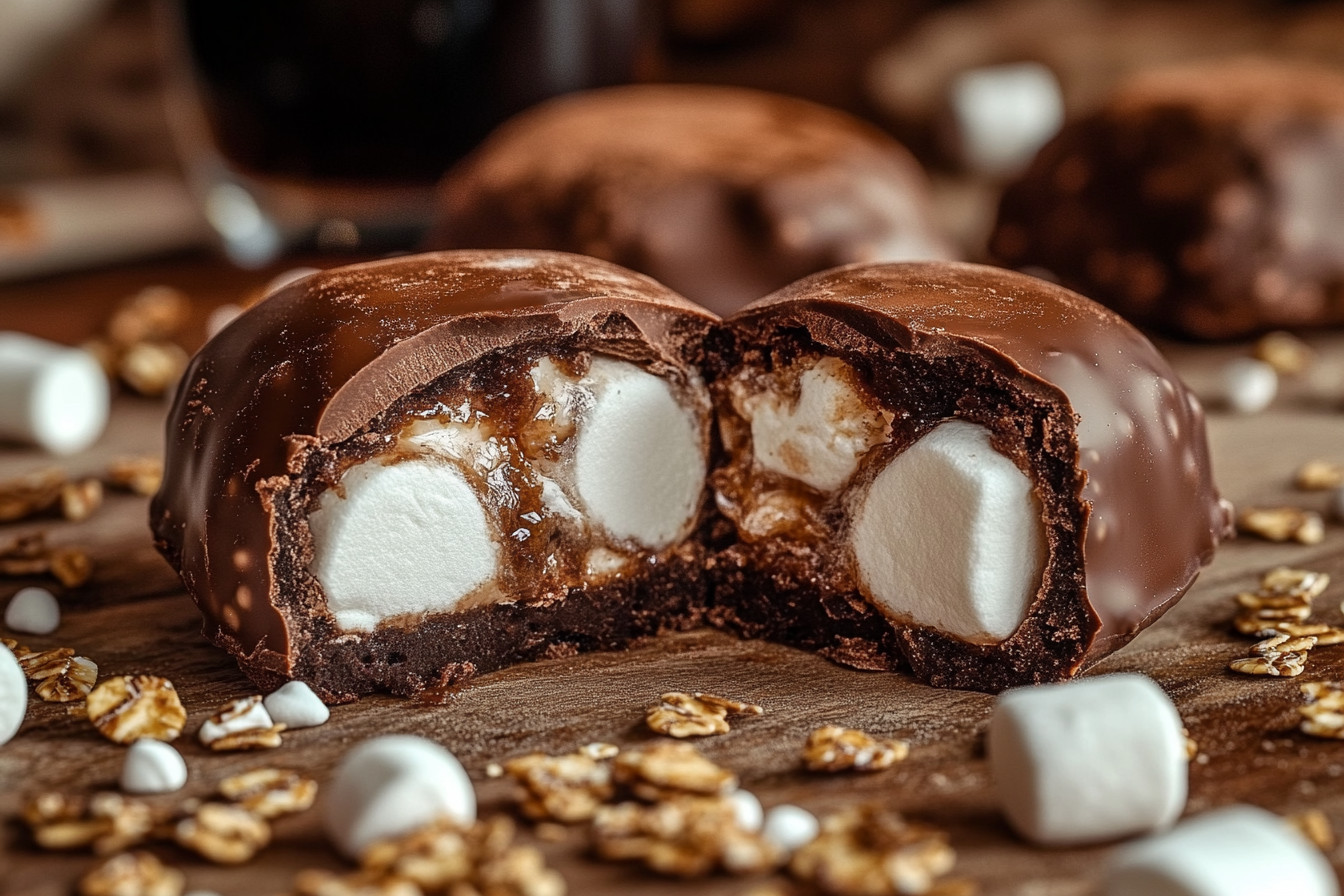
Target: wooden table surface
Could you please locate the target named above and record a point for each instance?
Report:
(134, 617)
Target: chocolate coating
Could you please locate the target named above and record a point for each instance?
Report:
(268, 406)
(1113, 442)
(724, 194)
(1205, 201)
(324, 373)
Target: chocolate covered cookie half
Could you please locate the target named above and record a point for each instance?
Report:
(394, 475)
(972, 472)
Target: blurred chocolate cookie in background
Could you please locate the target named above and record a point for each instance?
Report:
(1205, 201)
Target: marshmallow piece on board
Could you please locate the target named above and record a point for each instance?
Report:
(294, 705)
(950, 536)
(1249, 385)
(33, 611)
(152, 766)
(639, 460)
(13, 695)
(747, 811)
(790, 827)
(1089, 760)
(1003, 114)
(408, 537)
(51, 395)
(1221, 852)
(392, 785)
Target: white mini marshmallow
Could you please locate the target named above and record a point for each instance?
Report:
(1089, 760)
(406, 537)
(790, 827)
(1221, 852)
(294, 705)
(33, 611)
(639, 461)
(747, 811)
(1003, 114)
(50, 395)
(152, 766)
(820, 439)
(950, 536)
(1249, 385)
(13, 695)
(392, 785)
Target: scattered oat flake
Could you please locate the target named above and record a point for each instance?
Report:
(670, 768)
(30, 494)
(142, 475)
(680, 714)
(566, 788)
(1319, 475)
(223, 833)
(870, 851)
(104, 822)
(1282, 524)
(138, 873)
(832, 748)
(64, 680)
(128, 707)
(270, 792)
(1315, 826)
(683, 836)
(1283, 351)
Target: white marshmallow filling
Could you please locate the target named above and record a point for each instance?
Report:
(611, 456)
(950, 535)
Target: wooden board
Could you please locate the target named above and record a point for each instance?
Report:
(133, 617)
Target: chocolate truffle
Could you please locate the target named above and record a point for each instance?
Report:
(394, 475)
(1205, 201)
(724, 194)
(968, 471)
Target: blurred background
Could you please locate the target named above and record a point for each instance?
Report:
(134, 128)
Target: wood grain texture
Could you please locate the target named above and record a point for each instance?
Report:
(133, 617)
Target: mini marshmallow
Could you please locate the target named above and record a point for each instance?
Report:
(790, 827)
(390, 786)
(1003, 114)
(13, 695)
(294, 705)
(152, 766)
(747, 811)
(1248, 385)
(1089, 760)
(400, 538)
(50, 395)
(820, 439)
(639, 461)
(950, 536)
(1225, 851)
(33, 611)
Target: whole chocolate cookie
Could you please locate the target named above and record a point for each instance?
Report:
(722, 193)
(1205, 201)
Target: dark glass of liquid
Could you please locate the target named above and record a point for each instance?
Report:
(387, 92)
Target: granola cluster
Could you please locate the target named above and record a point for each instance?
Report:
(1323, 714)
(1278, 614)
(832, 748)
(866, 851)
(228, 830)
(52, 491)
(136, 346)
(678, 714)
(443, 859)
(1282, 524)
(30, 555)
